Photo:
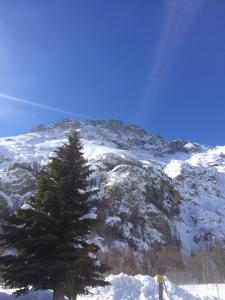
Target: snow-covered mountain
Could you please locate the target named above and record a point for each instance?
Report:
(151, 191)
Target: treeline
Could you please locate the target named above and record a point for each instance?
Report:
(201, 266)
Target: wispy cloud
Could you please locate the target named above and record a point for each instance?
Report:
(179, 18)
(5, 97)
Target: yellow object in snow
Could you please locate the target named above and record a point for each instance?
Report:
(160, 278)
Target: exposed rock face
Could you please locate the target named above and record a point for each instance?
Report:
(135, 204)
(151, 191)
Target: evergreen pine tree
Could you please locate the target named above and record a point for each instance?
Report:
(50, 233)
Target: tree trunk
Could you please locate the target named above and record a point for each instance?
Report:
(58, 295)
(74, 297)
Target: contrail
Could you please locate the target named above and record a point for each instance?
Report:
(35, 104)
(179, 18)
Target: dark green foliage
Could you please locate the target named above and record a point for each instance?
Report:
(50, 236)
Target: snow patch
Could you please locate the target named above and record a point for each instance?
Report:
(173, 168)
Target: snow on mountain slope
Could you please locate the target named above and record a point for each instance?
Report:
(151, 191)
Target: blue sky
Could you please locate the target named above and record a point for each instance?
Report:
(157, 63)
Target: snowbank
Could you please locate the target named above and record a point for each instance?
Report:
(123, 287)
(41, 295)
(139, 287)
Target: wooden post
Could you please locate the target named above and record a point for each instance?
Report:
(160, 280)
(160, 291)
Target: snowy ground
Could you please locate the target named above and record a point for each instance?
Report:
(213, 291)
(124, 287)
